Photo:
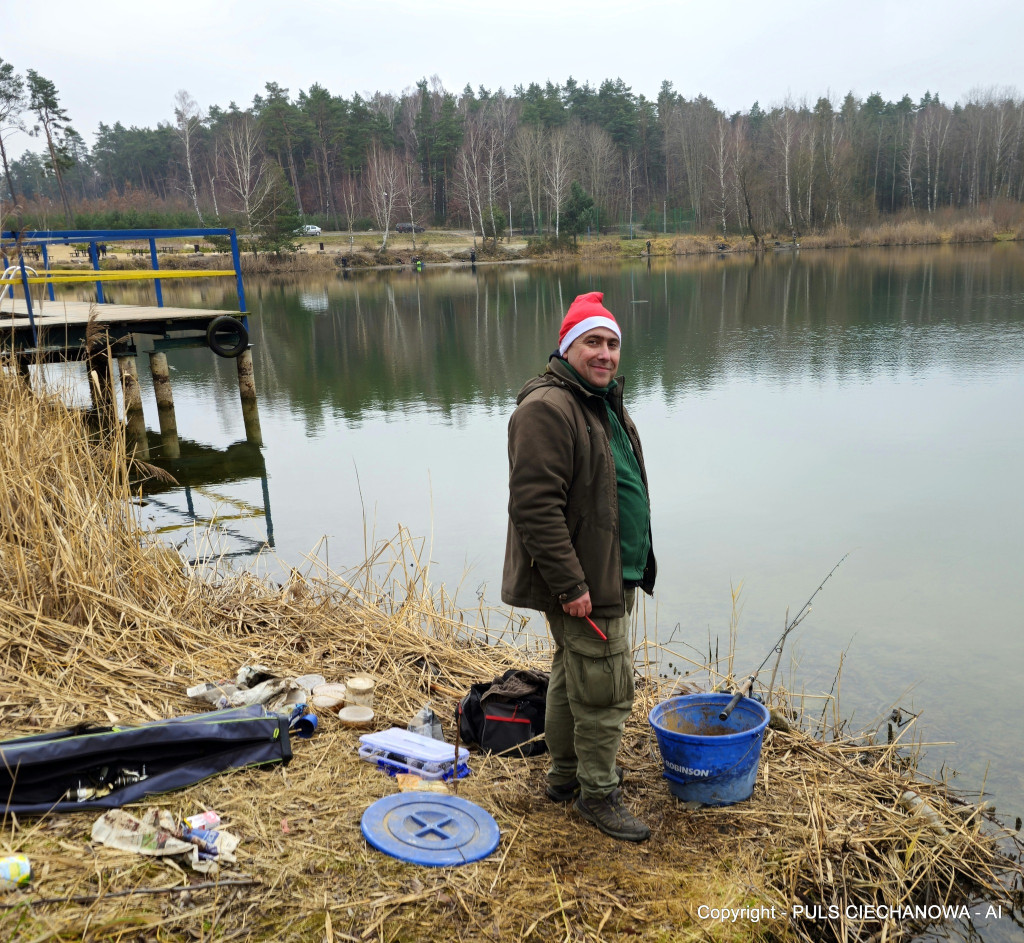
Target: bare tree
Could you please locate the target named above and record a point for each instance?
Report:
(736, 152)
(935, 129)
(527, 161)
(384, 183)
(413, 194)
(557, 168)
(808, 152)
(908, 164)
(831, 145)
(480, 164)
(246, 172)
(188, 117)
(385, 106)
(695, 133)
(349, 198)
(500, 128)
(468, 163)
(783, 128)
(721, 155)
(631, 180)
(213, 170)
(596, 159)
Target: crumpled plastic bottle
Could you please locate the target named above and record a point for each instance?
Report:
(15, 871)
(426, 723)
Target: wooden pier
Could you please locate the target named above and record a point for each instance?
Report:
(61, 326)
(39, 327)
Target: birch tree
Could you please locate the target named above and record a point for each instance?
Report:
(557, 168)
(935, 131)
(721, 163)
(349, 198)
(831, 144)
(187, 118)
(808, 152)
(468, 163)
(246, 173)
(412, 191)
(908, 164)
(527, 160)
(783, 133)
(500, 130)
(384, 185)
(596, 159)
(695, 130)
(631, 180)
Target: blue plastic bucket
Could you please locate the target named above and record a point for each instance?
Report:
(706, 759)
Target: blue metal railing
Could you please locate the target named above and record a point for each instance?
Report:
(94, 238)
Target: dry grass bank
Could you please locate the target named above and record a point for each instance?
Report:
(454, 247)
(99, 623)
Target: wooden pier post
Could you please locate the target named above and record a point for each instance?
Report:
(247, 394)
(164, 404)
(134, 419)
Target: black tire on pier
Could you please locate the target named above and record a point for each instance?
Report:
(227, 336)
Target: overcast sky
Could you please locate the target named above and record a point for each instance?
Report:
(123, 61)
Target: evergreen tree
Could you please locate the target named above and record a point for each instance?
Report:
(53, 120)
(577, 212)
(12, 103)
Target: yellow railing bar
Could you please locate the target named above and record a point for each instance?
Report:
(121, 276)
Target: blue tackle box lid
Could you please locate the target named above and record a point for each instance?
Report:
(413, 745)
(429, 829)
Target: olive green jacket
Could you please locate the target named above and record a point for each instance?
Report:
(563, 532)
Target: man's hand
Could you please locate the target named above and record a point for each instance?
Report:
(578, 608)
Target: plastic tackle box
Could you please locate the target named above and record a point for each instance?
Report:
(399, 751)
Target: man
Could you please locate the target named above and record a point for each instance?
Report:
(579, 544)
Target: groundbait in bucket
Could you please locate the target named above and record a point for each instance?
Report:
(706, 759)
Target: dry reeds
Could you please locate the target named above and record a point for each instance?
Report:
(98, 622)
(838, 237)
(907, 233)
(695, 245)
(270, 263)
(973, 230)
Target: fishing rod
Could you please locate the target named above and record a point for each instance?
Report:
(747, 686)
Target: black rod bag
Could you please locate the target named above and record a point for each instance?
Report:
(89, 767)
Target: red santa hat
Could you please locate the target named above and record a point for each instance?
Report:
(585, 314)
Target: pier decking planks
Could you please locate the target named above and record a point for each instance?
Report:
(49, 314)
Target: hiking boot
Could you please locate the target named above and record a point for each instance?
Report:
(570, 790)
(612, 817)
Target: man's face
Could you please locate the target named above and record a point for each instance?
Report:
(595, 356)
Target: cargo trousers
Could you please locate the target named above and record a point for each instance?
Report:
(590, 695)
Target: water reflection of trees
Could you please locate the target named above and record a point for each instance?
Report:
(448, 337)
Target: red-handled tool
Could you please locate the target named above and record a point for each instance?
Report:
(593, 625)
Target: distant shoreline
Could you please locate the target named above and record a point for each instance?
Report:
(450, 248)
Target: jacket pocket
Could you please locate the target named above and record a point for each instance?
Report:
(581, 638)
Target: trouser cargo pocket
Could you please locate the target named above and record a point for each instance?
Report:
(599, 682)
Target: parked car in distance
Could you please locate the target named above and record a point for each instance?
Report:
(408, 227)
(308, 230)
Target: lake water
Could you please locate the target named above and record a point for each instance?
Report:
(793, 409)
